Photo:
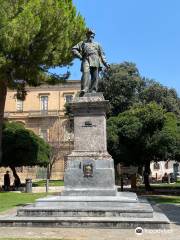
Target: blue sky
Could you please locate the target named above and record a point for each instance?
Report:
(146, 32)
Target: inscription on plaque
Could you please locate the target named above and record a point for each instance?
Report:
(88, 124)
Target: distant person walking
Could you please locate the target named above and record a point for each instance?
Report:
(17, 183)
(7, 181)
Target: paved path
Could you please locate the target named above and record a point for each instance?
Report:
(172, 211)
(89, 234)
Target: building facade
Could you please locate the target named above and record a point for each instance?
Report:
(43, 112)
(162, 168)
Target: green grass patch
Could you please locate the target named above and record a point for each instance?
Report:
(11, 199)
(52, 183)
(163, 185)
(165, 199)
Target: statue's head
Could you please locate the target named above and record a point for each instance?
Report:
(90, 34)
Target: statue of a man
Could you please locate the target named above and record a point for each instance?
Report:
(93, 58)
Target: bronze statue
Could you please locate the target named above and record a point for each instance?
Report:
(93, 58)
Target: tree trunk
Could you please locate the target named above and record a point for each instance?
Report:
(122, 183)
(49, 171)
(13, 169)
(133, 182)
(147, 172)
(3, 93)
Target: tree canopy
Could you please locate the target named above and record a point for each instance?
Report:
(21, 147)
(120, 86)
(35, 35)
(123, 86)
(143, 123)
(141, 134)
(154, 91)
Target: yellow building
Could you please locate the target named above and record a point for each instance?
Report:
(43, 112)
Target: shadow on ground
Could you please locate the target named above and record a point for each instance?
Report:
(172, 211)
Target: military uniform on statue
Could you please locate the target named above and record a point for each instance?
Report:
(93, 59)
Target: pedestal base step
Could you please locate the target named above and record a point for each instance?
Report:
(93, 201)
(122, 211)
(89, 192)
(132, 211)
(123, 205)
(158, 221)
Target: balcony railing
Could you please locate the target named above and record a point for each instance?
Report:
(32, 114)
(44, 113)
(6, 115)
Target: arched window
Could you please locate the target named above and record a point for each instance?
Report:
(166, 165)
(156, 166)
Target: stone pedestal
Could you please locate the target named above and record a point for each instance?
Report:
(90, 198)
(90, 169)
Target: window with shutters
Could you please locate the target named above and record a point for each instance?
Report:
(44, 103)
(19, 105)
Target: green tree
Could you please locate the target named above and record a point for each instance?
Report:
(21, 147)
(143, 105)
(35, 35)
(142, 134)
(123, 86)
(177, 152)
(154, 91)
(120, 85)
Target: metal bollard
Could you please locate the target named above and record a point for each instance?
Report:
(28, 185)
